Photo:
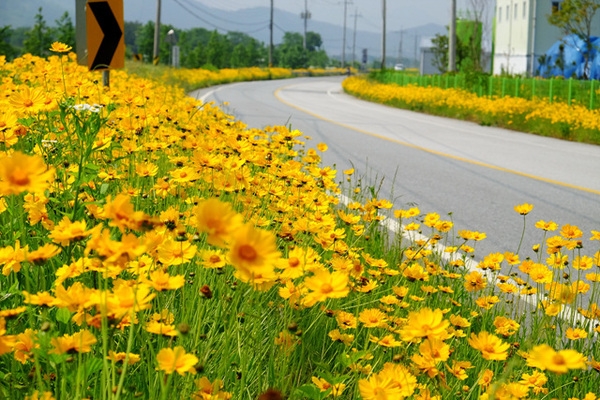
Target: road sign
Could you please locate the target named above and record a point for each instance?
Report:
(105, 34)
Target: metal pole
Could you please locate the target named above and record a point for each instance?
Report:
(106, 78)
(344, 36)
(452, 39)
(305, 16)
(383, 36)
(156, 53)
(271, 38)
(354, 39)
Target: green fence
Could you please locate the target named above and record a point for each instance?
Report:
(570, 91)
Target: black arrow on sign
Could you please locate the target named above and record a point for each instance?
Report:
(111, 30)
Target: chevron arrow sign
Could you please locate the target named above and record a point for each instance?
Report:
(105, 34)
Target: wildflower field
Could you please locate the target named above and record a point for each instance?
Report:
(154, 247)
(575, 122)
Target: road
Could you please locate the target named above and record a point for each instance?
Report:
(478, 174)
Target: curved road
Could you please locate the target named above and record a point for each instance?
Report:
(478, 174)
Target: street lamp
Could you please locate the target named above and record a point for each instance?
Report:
(171, 39)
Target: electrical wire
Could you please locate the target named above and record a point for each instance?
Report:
(212, 24)
(197, 7)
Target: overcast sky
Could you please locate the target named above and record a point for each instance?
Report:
(406, 13)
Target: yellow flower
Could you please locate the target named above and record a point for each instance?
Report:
(172, 252)
(176, 360)
(325, 285)
(121, 357)
(22, 173)
(372, 318)
(575, 334)
(253, 252)
(217, 219)
(59, 47)
(545, 357)
(28, 100)
(425, 323)
(524, 208)
(7, 342)
(546, 226)
(80, 342)
(160, 280)
(474, 281)
(490, 346)
(379, 388)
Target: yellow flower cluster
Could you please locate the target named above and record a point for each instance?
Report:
(537, 116)
(151, 238)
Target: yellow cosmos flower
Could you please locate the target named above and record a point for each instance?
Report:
(7, 342)
(377, 388)
(524, 208)
(28, 100)
(253, 251)
(79, 342)
(546, 226)
(474, 281)
(121, 357)
(576, 333)
(59, 47)
(24, 345)
(490, 346)
(326, 285)
(173, 252)
(372, 318)
(217, 219)
(425, 323)
(545, 357)
(22, 173)
(176, 360)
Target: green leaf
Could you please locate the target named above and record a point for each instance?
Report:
(309, 391)
(63, 315)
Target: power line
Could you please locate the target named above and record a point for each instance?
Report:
(197, 7)
(210, 23)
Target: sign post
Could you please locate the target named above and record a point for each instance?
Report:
(105, 36)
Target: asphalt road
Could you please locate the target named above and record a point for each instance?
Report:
(478, 174)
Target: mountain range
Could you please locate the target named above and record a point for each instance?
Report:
(186, 14)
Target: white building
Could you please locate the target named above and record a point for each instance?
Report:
(523, 34)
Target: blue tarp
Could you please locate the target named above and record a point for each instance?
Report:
(566, 58)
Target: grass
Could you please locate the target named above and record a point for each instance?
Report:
(156, 246)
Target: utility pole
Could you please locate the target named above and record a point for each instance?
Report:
(400, 46)
(306, 16)
(271, 38)
(354, 38)
(344, 35)
(156, 52)
(452, 39)
(383, 36)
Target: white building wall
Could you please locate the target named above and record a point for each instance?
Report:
(512, 44)
(522, 25)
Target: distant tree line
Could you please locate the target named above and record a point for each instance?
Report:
(199, 47)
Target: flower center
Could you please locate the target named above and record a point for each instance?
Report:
(293, 262)
(20, 177)
(247, 252)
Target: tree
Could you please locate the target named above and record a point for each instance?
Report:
(575, 17)
(291, 52)
(39, 38)
(6, 49)
(217, 50)
(65, 31)
(440, 52)
(132, 30)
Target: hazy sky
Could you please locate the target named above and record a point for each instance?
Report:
(407, 13)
